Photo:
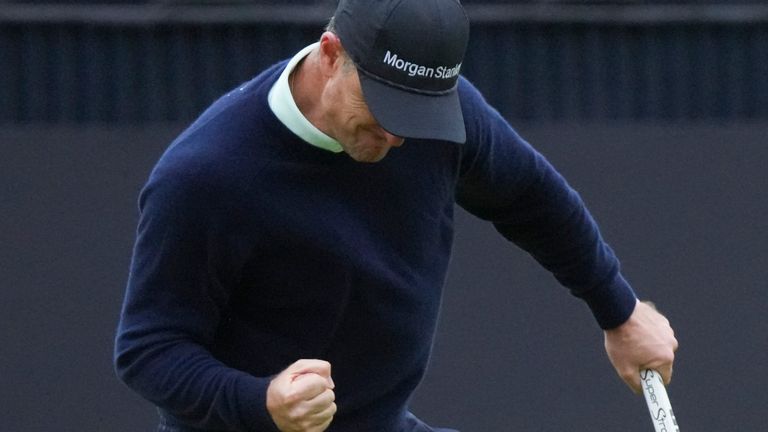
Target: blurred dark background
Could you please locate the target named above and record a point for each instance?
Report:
(657, 112)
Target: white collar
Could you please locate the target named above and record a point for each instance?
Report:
(284, 106)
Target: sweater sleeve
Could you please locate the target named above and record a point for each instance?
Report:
(178, 287)
(505, 181)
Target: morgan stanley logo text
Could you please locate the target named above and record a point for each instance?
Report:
(413, 69)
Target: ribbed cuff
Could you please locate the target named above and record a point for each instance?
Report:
(252, 404)
(612, 303)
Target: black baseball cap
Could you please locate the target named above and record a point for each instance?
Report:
(408, 54)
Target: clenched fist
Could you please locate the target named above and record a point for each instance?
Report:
(301, 398)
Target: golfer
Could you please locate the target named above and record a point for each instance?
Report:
(293, 242)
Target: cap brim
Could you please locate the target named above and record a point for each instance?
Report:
(414, 115)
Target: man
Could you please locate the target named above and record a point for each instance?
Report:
(282, 281)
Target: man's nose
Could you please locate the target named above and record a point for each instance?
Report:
(393, 140)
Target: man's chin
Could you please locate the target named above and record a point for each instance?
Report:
(370, 156)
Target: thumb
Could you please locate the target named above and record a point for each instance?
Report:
(311, 366)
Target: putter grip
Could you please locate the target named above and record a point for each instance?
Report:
(658, 401)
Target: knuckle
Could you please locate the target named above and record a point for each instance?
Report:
(298, 364)
(293, 397)
(317, 363)
(669, 356)
(629, 375)
(306, 384)
(294, 416)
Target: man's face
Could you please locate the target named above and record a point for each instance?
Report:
(353, 125)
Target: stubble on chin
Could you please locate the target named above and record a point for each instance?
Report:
(369, 155)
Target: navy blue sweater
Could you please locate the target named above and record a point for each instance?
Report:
(256, 249)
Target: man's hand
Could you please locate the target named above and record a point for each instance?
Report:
(644, 341)
(301, 398)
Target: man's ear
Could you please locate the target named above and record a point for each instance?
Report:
(331, 53)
